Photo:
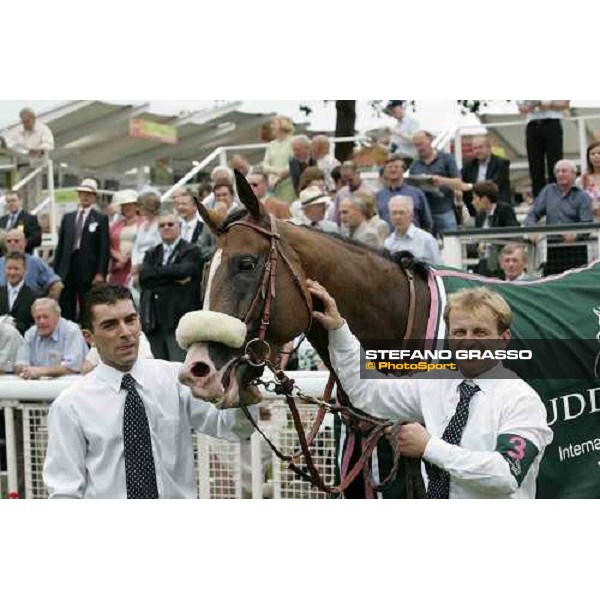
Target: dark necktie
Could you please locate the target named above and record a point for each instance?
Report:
(140, 473)
(11, 221)
(79, 229)
(439, 480)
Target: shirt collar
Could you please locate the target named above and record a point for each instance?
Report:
(410, 232)
(54, 335)
(17, 288)
(113, 377)
(487, 381)
(171, 246)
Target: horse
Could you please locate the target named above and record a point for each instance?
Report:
(255, 290)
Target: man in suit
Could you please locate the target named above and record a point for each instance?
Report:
(193, 229)
(15, 297)
(486, 166)
(491, 213)
(17, 218)
(170, 279)
(81, 256)
(300, 160)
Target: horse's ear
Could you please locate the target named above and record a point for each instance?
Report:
(247, 196)
(207, 218)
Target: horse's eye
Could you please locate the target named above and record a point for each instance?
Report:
(247, 265)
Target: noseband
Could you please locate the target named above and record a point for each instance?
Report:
(267, 290)
(286, 386)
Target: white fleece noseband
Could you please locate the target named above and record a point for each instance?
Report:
(209, 326)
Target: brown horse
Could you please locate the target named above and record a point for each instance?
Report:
(371, 290)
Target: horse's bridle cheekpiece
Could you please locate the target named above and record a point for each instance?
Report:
(256, 355)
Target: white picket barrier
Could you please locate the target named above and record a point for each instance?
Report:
(224, 470)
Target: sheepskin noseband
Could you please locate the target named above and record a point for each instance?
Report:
(209, 326)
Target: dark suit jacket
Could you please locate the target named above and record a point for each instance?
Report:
(21, 310)
(165, 299)
(31, 229)
(497, 171)
(296, 170)
(504, 216)
(93, 250)
(204, 240)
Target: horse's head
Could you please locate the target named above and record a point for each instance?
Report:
(255, 300)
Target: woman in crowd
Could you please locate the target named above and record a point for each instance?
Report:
(590, 181)
(122, 237)
(148, 236)
(277, 159)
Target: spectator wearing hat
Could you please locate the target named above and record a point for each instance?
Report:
(17, 218)
(122, 236)
(82, 253)
(314, 205)
(401, 135)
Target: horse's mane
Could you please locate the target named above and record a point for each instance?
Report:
(403, 259)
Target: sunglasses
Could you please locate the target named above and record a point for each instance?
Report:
(163, 225)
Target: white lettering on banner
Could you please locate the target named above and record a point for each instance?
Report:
(573, 405)
(576, 450)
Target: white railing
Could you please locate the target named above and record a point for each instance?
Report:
(221, 153)
(220, 465)
(457, 134)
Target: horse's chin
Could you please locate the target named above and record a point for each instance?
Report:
(230, 388)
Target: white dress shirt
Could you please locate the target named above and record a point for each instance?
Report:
(40, 138)
(188, 227)
(85, 456)
(502, 406)
(13, 292)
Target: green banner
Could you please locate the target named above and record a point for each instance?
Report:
(565, 307)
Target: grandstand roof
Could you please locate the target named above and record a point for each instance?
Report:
(94, 136)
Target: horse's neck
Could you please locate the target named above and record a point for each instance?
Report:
(372, 293)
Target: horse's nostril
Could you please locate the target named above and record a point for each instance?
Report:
(200, 369)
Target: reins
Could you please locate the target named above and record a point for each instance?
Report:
(256, 352)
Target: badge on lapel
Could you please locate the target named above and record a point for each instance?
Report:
(93, 226)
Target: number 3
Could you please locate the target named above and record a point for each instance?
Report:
(519, 451)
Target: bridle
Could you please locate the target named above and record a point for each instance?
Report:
(257, 350)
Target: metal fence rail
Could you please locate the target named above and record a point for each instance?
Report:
(224, 470)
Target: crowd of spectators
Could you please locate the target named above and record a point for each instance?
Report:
(159, 251)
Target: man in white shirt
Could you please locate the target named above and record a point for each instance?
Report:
(402, 133)
(125, 429)
(406, 235)
(33, 140)
(482, 430)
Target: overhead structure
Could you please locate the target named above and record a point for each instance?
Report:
(109, 140)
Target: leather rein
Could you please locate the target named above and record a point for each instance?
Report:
(256, 353)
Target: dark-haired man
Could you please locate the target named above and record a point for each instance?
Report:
(16, 298)
(125, 429)
(17, 218)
